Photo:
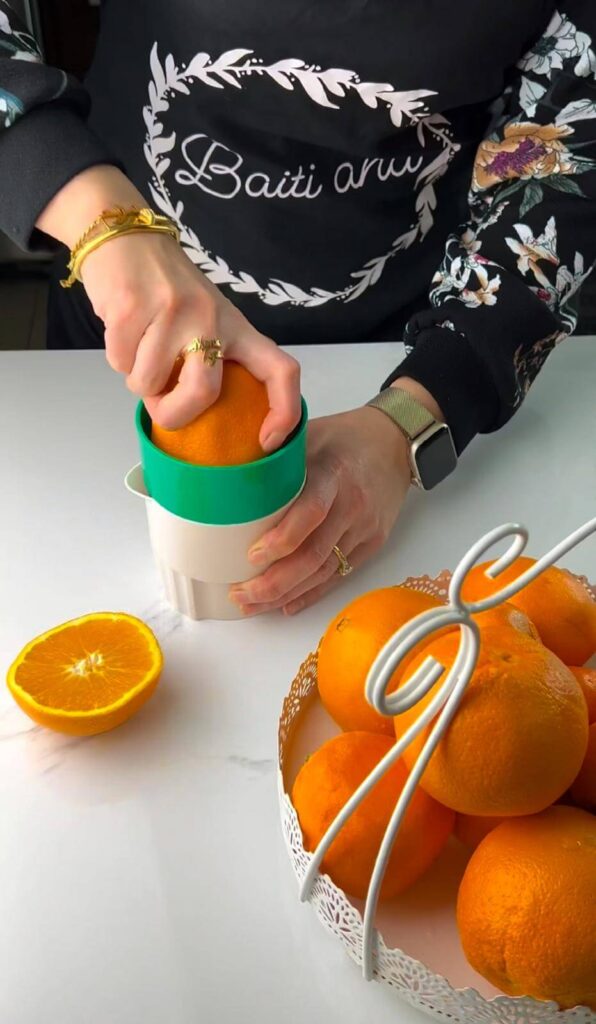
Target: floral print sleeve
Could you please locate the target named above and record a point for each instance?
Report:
(505, 293)
(15, 44)
(25, 81)
(52, 142)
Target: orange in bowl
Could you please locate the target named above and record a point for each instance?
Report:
(507, 615)
(526, 908)
(88, 675)
(323, 786)
(350, 645)
(520, 733)
(558, 604)
(586, 678)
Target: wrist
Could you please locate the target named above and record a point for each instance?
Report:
(70, 212)
(415, 414)
(389, 442)
(421, 394)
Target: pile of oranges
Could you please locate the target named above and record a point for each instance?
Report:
(513, 778)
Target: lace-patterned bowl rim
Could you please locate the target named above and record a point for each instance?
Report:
(410, 978)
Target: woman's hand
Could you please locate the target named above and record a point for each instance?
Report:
(358, 477)
(153, 302)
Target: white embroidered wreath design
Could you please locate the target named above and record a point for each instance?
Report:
(320, 85)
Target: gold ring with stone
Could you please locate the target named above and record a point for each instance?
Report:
(209, 348)
(344, 568)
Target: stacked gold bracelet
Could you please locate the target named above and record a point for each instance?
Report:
(110, 224)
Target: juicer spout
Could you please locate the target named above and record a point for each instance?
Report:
(134, 481)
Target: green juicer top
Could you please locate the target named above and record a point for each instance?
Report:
(223, 495)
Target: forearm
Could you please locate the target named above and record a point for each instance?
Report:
(76, 205)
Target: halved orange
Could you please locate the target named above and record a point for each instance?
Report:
(88, 675)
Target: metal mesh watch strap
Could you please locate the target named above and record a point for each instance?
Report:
(406, 412)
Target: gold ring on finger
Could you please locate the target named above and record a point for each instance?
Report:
(344, 568)
(209, 348)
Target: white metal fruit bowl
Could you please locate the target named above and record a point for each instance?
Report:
(414, 946)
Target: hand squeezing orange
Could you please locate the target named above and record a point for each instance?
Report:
(227, 433)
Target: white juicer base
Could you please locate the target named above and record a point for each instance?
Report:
(199, 562)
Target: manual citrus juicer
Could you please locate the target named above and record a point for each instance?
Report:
(203, 519)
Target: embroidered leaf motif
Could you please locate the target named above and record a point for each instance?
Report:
(208, 80)
(319, 300)
(407, 104)
(406, 240)
(196, 65)
(158, 105)
(435, 169)
(245, 283)
(426, 202)
(377, 271)
(157, 70)
(370, 92)
(164, 144)
(311, 85)
(281, 79)
(291, 290)
(229, 78)
(230, 57)
(288, 64)
(272, 297)
(336, 80)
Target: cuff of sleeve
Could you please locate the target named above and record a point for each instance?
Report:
(39, 154)
(447, 366)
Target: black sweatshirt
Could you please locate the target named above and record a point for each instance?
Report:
(344, 169)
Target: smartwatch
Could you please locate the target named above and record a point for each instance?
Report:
(430, 444)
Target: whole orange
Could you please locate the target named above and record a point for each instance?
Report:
(227, 433)
(471, 829)
(556, 602)
(350, 645)
(583, 790)
(507, 615)
(325, 783)
(526, 909)
(520, 733)
(586, 678)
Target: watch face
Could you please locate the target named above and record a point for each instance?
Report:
(435, 456)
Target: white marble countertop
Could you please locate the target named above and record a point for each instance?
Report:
(143, 876)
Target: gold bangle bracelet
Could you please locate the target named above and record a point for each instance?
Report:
(110, 224)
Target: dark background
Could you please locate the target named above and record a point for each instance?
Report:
(68, 31)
